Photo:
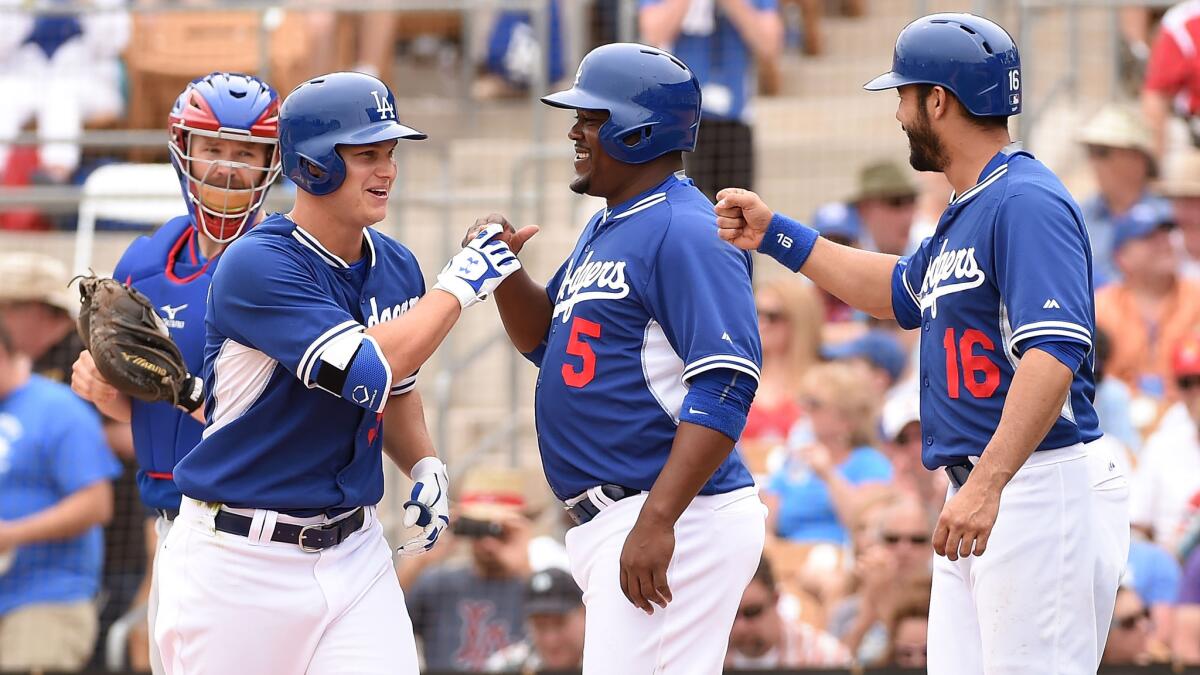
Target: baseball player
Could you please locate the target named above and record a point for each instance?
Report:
(224, 146)
(1034, 531)
(649, 359)
(316, 327)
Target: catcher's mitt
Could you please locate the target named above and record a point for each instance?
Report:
(131, 345)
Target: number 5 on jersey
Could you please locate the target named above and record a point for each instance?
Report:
(579, 347)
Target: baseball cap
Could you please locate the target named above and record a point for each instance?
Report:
(552, 591)
(1117, 126)
(878, 347)
(36, 277)
(837, 219)
(900, 410)
(1185, 360)
(1181, 175)
(492, 492)
(1141, 221)
(883, 179)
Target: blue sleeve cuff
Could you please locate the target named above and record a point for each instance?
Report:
(719, 400)
(788, 241)
(1068, 352)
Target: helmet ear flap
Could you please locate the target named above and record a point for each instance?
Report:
(319, 177)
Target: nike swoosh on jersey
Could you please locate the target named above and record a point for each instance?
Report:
(696, 412)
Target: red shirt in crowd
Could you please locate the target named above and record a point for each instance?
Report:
(1174, 68)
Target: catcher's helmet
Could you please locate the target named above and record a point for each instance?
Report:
(332, 110)
(228, 106)
(648, 93)
(969, 55)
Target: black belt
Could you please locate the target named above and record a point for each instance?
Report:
(958, 473)
(585, 507)
(310, 538)
(168, 514)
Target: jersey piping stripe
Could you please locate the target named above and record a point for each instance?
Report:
(370, 245)
(640, 202)
(306, 361)
(979, 187)
(404, 386)
(1006, 336)
(315, 246)
(911, 295)
(643, 207)
(1065, 327)
(1052, 331)
(746, 364)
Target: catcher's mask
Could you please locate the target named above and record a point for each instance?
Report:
(230, 107)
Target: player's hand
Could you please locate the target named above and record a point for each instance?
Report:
(966, 521)
(428, 506)
(88, 383)
(479, 268)
(510, 235)
(644, 560)
(742, 218)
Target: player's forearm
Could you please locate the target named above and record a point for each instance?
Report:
(695, 456)
(118, 408)
(1156, 108)
(861, 279)
(525, 310)
(659, 24)
(405, 437)
(411, 338)
(1034, 402)
(71, 517)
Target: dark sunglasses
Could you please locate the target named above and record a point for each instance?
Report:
(900, 201)
(1098, 151)
(904, 437)
(910, 653)
(752, 611)
(1130, 622)
(1188, 382)
(771, 315)
(914, 539)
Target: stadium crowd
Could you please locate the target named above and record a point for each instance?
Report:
(833, 437)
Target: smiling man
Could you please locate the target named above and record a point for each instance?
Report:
(316, 328)
(648, 346)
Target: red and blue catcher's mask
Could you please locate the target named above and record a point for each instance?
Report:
(225, 188)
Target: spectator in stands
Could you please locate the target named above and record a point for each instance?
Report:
(465, 613)
(1186, 645)
(1154, 575)
(880, 352)
(838, 222)
(886, 203)
(900, 425)
(899, 557)
(720, 40)
(1129, 632)
(38, 309)
(54, 496)
(789, 324)
(762, 638)
(1113, 400)
(1181, 185)
(908, 627)
(374, 39)
(1173, 74)
(1120, 154)
(554, 625)
(830, 461)
(514, 53)
(64, 71)
(1150, 309)
(1168, 471)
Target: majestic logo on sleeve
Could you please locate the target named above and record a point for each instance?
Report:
(950, 272)
(591, 280)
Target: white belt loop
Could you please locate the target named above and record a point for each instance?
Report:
(262, 526)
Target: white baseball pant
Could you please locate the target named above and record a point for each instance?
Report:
(162, 526)
(718, 544)
(1040, 598)
(232, 604)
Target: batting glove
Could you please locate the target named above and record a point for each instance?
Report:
(479, 268)
(428, 506)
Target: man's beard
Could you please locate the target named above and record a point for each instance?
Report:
(925, 151)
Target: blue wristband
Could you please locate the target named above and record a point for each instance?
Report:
(788, 241)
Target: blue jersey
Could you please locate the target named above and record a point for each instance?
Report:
(1009, 262)
(275, 440)
(169, 269)
(650, 298)
(714, 50)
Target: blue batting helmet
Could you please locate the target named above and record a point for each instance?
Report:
(332, 110)
(971, 56)
(649, 95)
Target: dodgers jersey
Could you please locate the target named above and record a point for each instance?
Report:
(274, 440)
(169, 269)
(1009, 262)
(649, 298)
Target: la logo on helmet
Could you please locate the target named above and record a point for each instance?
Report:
(386, 110)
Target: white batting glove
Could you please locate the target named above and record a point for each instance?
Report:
(428, 506)
(476, 271)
